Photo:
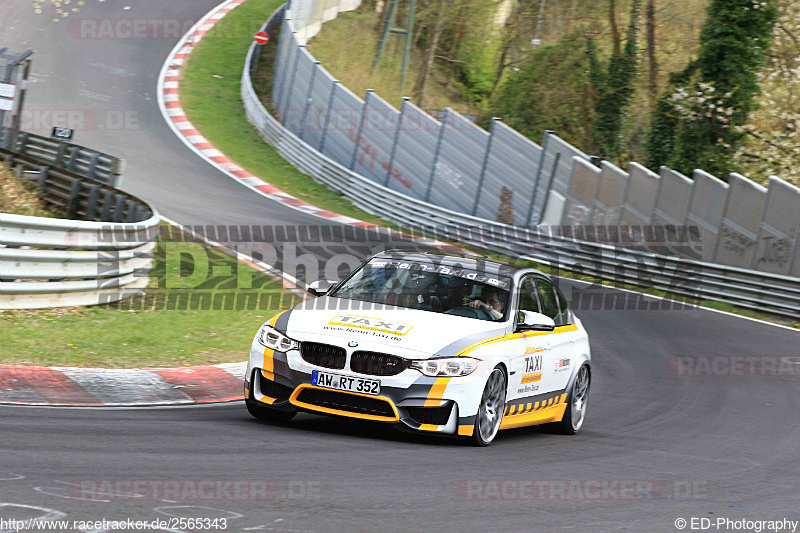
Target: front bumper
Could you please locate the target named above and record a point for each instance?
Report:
(410, 400)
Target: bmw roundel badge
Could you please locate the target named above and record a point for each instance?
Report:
(352, 344)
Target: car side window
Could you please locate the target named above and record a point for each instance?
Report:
(564, 307)
(547, 294)
(527, 297)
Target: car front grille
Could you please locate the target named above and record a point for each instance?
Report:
(346, 402)
(377, 364)
(324, 355)
(430, 415)
(272, 389)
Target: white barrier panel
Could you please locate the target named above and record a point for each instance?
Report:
(778, 229)
(554, 210)
(613, 182)
(674, 195)
(640, 196)
(583, 188)
(736, 239)
(705, 209)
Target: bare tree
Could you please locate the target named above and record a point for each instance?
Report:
(430, 55)
(651, 51)
(612, 18)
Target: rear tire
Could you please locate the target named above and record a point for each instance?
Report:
(262, 412)
(575, 414)
(491, 409)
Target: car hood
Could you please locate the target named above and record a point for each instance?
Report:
(408, 332)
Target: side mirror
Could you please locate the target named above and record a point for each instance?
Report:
(321, 288)
(530, 321)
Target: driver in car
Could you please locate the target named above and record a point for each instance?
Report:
(490, 301)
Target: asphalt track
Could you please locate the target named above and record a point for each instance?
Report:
(707, 446)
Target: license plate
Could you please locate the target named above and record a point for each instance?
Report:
(346, 383)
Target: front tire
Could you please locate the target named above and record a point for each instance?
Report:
(576, 405)
(267, 414)
(492, 407)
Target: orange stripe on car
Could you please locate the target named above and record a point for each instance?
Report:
(437, 392)
(521, 335)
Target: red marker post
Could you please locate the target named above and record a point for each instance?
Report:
(261, 37)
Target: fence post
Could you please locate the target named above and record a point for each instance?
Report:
(484, 165)
(795, 251)
(396, 139)
(291, 82)
(436, 153)
(360, 128)
(282, 53)
(536, 181)
(309, 99)
(728, 194)
(327, 116)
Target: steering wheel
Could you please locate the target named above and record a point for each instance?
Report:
(470, 312)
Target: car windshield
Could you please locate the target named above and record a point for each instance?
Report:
(451, 289)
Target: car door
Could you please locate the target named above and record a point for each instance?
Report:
(530, 352)
(560, 357)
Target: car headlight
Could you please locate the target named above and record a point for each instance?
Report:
(271, 338)
(450, 366)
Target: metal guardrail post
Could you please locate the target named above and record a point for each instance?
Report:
(291, 82)
(105, 216)
(91, 206)
(309, 99)
(92, 167)
(44, 173)
(484, 165)
(360, 129)
(74, 198)
(289, 37)
(327, 116)
(536, 182)
(119, 206)
(396, 139)
(436, 152)
(74, 154)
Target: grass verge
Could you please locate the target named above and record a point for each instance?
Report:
(201, 307)
(210, 96)
(17, 199)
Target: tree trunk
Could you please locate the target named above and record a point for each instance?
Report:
(419, 93)
(501, 67)
(612, 18)
(651, 52)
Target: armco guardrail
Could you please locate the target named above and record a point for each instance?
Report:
(765, 292)
(101, 258)
(75, 196)
(82, 161)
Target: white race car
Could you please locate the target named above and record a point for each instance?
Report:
(427, 342)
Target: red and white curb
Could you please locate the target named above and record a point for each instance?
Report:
(95, 387)
(169, 102)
